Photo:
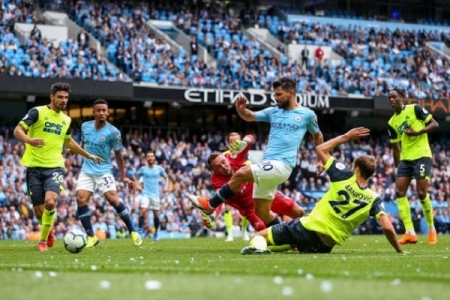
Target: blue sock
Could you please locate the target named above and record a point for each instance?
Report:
(84, 215)
(122, 211)
(274, 222)
(221, 196)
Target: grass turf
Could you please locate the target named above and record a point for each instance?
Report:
(206, 268)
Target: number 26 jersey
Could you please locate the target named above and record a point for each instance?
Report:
(345, 206)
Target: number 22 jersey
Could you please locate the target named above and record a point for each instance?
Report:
(344, 207)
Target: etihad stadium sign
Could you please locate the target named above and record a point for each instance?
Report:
(255, 97)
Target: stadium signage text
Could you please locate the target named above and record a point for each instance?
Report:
(431, 105)
(255, 97)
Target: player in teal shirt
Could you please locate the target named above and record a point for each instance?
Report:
(101, 137)
(150, 176)
(289, 123)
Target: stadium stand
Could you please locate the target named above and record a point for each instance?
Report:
(40, 57)
(374, 59)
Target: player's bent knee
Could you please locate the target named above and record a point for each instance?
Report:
(50, 204)
(244, 174)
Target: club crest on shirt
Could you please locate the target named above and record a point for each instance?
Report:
(340, 166)
(102, 138)
(297, 118)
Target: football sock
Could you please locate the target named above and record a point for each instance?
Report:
(221, 196)
(244, 223)
(273, 222)
(84, 215)
(404, 211)
(122, 211)
(141, 222)
(156, 223)
(48, 218)
(228, 218)
(428, 212)
(281, 248)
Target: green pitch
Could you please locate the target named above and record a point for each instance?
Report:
(366, 267)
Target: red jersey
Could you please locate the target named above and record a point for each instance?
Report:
(243, 200)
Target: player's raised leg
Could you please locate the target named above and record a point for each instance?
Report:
(227, 191)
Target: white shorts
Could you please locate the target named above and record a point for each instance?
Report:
(150, 203)
(267, 175)
(104, 183)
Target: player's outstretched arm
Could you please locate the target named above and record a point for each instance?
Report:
(389, 232)
(242, 110)
(76, 149)
(318, 138)
(323, 150)
(239, 146)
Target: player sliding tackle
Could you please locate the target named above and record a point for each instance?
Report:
(224, 166)
(346, 205)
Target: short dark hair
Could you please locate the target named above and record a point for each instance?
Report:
(366, 164)
(213, 156)
(286, 84)
(401, 92)
(100, 101)
(60, 86)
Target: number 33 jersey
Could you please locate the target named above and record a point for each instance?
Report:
(100, 143)
(345, 206)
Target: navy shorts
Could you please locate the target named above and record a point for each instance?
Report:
(418, 169)
(41, 180)
(293, 233)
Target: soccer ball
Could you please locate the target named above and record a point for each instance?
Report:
(75, 241)
(258, 242)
